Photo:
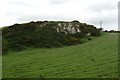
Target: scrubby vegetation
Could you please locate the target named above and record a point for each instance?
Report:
(46, 34)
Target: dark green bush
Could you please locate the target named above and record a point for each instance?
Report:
(82, 41)
(4, 50)
(89, 38)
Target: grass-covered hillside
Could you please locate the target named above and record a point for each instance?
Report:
(46, 34)
(96, 58)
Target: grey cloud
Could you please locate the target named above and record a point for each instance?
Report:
(106, 20)
(57, 1)
(109, 22)
(99, 7)
(29, 18)
(40, 17)
(91, 12)
(22, 4)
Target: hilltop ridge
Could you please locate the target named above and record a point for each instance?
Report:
(46, 34)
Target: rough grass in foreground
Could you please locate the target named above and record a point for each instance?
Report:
(0, 67)
(96, 58)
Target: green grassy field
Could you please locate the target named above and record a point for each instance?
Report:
(0, 55)
(96, 58)
(0, 67)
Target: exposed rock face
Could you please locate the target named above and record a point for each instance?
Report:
(66, 27)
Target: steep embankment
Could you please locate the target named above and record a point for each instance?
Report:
(96, 58)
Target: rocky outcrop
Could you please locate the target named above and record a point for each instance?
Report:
(66, 27)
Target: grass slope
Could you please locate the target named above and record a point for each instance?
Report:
(0, 55)
(0, 66)
(96, 58)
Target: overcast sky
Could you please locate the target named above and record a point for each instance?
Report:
(86, 11)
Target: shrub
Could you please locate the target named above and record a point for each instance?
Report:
(82, 41)
(79, 35)
(89, 38)
(106, 31)
(4, 50)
